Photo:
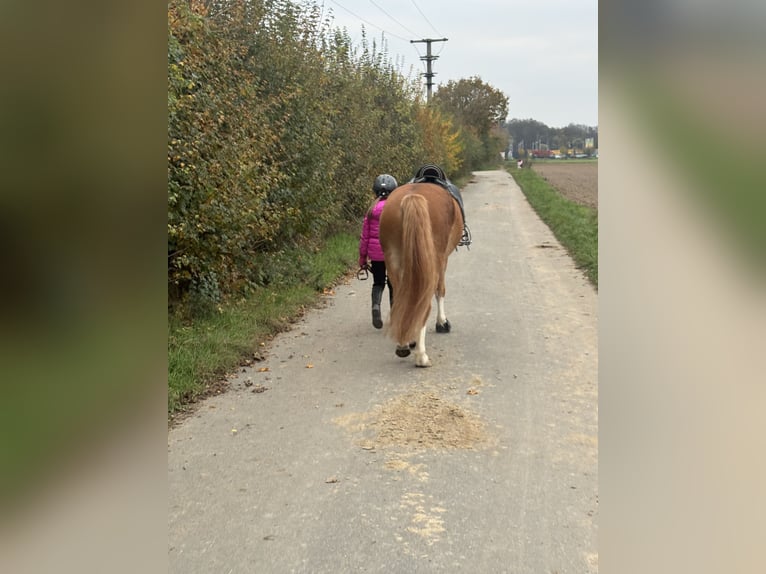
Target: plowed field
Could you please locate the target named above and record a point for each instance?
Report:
(574, 180)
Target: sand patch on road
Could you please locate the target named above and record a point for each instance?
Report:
(417, 420)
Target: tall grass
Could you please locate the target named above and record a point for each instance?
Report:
(203, 349)
(574, 225)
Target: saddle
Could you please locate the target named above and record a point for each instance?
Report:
(431, 173)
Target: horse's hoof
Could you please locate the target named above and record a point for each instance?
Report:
(445, 328)
(423, 363)
(402, 351)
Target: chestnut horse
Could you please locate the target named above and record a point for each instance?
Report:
(420, 226)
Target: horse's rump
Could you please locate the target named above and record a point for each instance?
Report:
(420, 225)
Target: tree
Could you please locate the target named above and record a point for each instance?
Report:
(527, 131)
(476, 108)
(441, 141)
(473, 103)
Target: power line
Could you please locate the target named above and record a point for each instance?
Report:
(392, 18)
(368, 23)
(426, 19)
(428, 57)
(429, 74)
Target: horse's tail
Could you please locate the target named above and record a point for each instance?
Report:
(418, 271)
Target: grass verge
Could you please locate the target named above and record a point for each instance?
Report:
(201, 351)
(724, 173)
(574, 225)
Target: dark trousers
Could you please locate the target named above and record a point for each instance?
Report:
(378, 269)
(380, 280)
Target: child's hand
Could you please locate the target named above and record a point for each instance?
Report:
(362, 262)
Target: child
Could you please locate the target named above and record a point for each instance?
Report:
(369, 245)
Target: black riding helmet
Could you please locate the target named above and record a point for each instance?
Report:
(384, 184)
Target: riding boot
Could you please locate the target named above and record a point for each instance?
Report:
(377, 294)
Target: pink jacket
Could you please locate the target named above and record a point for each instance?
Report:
(369, 242)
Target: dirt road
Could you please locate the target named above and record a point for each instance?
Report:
(334, 455)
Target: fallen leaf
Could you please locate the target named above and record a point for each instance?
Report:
(309, 366)
(263, 369)
(472, 392)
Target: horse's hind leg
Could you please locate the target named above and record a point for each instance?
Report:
(421, 358)
(404, 350)
(442, 324)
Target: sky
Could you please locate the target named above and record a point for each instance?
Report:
(542, 55)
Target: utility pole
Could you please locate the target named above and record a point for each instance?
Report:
(428, 59)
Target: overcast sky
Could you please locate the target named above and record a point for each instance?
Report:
(542, 55)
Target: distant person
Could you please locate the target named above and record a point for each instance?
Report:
(369, 245)
(520, 163)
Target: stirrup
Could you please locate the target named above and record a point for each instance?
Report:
(465, 240)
